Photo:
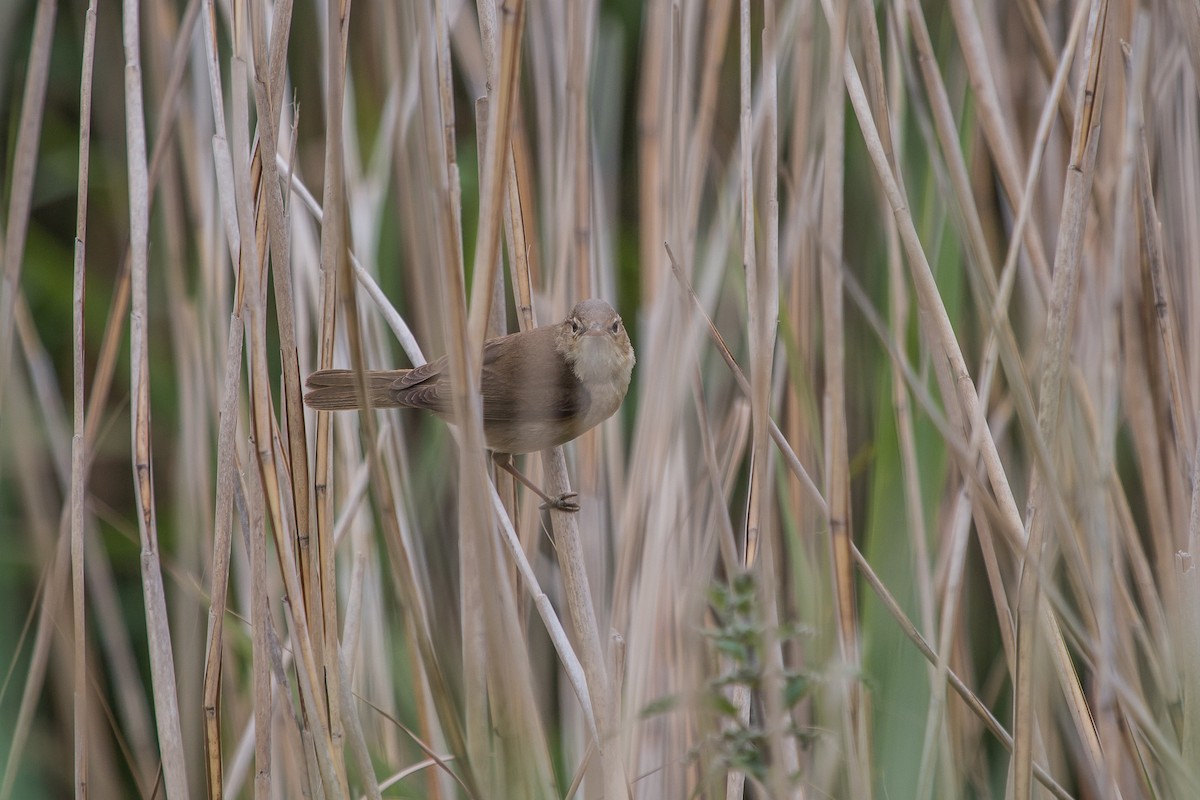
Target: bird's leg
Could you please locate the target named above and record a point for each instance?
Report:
(564, 502)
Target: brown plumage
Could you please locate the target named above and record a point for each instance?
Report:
(540, 388)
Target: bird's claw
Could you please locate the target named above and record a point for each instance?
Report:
(564, 502)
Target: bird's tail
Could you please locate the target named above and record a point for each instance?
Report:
(337, 389)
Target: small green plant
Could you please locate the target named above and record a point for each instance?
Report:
(734, 696)
(740, 638)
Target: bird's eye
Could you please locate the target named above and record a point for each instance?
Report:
(576, 328)
(616, 327)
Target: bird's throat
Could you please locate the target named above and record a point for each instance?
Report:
(601, 360)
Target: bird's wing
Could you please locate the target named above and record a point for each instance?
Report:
(426, 386)
(532, 382)
(539, 385)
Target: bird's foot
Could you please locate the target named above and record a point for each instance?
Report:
(564, 502)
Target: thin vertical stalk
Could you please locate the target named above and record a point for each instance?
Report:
(251, 256)
(580, 16)
(1031, 605)
(784, 756)
(652, 170)
(78, 443)
(758, 482)
(832, 223)
(254, 528)
(492, 179)
(995, 127)
(473, 561)
(700, 142)
(749, 254)
(24, 169)
(320, 594)
(227, 474)
(52, 589)
(227, 471)
(166, 702)
(837, 476)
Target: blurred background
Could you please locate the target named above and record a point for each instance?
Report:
(901, 502)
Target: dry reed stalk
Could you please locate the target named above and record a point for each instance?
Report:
(726, 537)
(78, 443)
(315, 568)
(263, 629)
(354, 732)
(837, 470)
(758, 392)
(222, 541)
(554, 628)
(520, 261)
(651, 120)
(764, 315)
(643, 597)
(580, 23)
(1031, 609)
(700, 143)
(24, 169)
(474, 550)
(1171, 389)
(471, 560)
(404, 336)
(799, 412)
(251, 249)
(1043, 49)
(410, 587)
(980, 268)
(996, 129)
(508, 688)
(1181, 419)
(51, 588)
(186, 499)
(227, 476)
(514, 693)
(322, 465)
(493, 171)
(326, 765)
(655, 584)
(133, 712)
(973, 702)
(161, 652)
(106, 361)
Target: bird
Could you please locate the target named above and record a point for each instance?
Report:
(540, 388)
